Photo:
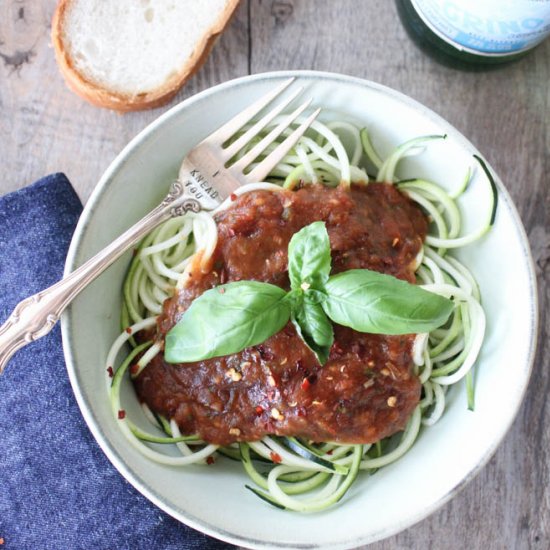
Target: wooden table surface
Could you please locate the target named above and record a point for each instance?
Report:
(506, 113)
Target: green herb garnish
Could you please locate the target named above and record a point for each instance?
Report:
(227, 319)
(234, 316)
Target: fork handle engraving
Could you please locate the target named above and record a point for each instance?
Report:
(188, 205)
(179, 205)
(210, 185)
(35, 316)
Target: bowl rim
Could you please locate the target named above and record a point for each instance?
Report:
(75, 251)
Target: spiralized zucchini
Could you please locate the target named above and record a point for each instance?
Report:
(287, 472)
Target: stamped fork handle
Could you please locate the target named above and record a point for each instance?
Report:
(35, 316)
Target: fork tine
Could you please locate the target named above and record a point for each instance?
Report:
(249, 157)
(262, 170)
(237, 145)
(237, 122)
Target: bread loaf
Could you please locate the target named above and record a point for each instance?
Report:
(129, 55)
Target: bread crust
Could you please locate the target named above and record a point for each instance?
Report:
(103, 97)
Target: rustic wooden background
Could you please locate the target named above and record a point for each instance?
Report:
(506, 113)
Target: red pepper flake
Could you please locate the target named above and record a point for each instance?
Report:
(221, 290)
(330, 451)
(128, 330)
(306, 384)
(134, 368)
(210, 460)
(289, 330)
(265, 354)
(276, 457)
(259, 410)
(121, 414)
(233, 197)
(110, 372)
(336, 348)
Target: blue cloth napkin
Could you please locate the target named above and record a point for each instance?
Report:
(57, 489)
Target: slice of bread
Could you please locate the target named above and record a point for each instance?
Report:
(130, 55)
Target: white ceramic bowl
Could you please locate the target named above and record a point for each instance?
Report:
(445, 456)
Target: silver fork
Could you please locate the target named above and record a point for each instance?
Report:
(204, 181)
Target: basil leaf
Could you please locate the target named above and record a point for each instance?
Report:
(369, 301)
(314, 328)
(315, 296)
(227, 319)
(309, 257)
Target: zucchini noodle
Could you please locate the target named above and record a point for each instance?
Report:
(287, 472)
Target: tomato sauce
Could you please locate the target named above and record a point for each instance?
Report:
(367, 389)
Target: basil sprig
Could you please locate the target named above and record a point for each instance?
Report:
(308, 271)
(309, 257)
(227, 319)
(234, 316)
(314, 328)
(368, 301)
